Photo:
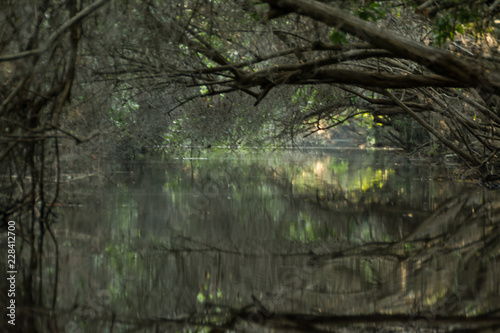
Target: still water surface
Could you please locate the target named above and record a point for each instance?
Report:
(186, 244)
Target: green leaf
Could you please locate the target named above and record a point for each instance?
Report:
(338, 37)
(200, 298)
(256, 17)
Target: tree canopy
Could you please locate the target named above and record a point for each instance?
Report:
(150, 73)
(435, 62)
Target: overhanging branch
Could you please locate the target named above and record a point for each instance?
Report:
(55, 35)
(459, 68)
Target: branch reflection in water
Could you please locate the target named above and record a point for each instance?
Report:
(290, 240)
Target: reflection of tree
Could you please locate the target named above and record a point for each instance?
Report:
(41, 47)
(438, 288)
(441, 271)
(229, 264)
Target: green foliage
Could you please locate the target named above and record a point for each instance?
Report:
(371, 12)
(302, 229)
(203, 90)
(340, 168)
(444, 29)
(200, 298)
(368, 270)
(122, 111)
(174, 135)
(305, 96)
(338, 37)
(256, 17)
(121, 258)
(364, 120)
(459, 19)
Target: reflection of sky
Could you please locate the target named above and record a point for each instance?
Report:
(319, 169)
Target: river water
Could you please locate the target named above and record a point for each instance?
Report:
(268, 241)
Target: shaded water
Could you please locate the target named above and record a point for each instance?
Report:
(362, 240)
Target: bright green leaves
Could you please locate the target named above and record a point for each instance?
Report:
(306, 97)
(364, 120)
(200, 298)
(205, 294)
(203, 90)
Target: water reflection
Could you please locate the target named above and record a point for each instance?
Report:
(239, 241)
